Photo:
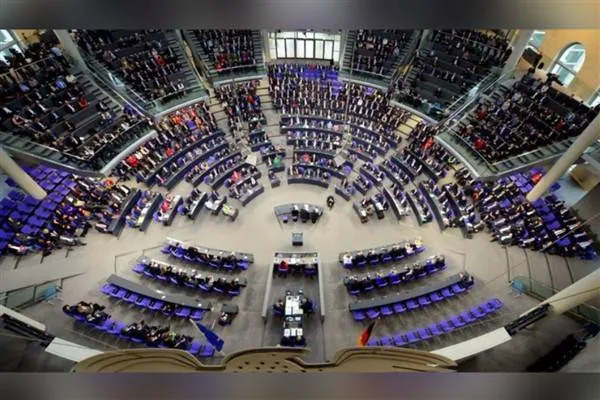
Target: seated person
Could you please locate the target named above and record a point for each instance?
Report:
(279, 307)
(135, 329)
(359, 258)
(234, 286)
(307, 305)
(283, 267)
(295, 212)
(154, 335)
(168, 308)
(97, 317)
(304, 214)
(372, 256)
(225, 318)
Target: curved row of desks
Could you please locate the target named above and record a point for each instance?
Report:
(200, 178)
(180, 174)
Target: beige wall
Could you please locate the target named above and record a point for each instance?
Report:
(27, 36)
(588, 78)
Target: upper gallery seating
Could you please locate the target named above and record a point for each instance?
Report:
(315, 90)
(46, 100)
(453, 62)
(151, 62)
(528, 117)
(378, 52)
(227, 53)
(241, 105)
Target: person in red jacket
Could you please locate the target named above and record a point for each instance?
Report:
(480, 144)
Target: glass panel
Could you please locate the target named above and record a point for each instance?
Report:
(564, 75)
(310, 49)
(310, 35)
(299, 48)
(46, 291)
(273, 47)
(336, 56)
(537, 38)
(280, 48)
(289, 48)
(19, 297)
(336, 45)
(5, 37)
(287, 35)
(573, 57)
(595, 100)
(328, 55)
(319, 49)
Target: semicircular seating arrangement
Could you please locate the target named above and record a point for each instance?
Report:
(188, 278)
(367, 283)
(381, 255)
(473, 315)
(217, 259)
(418, 297)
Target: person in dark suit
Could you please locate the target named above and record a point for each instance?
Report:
(304, 214)
(295, 213)
(330, 202)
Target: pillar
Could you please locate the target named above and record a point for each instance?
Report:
(579, 146)
(264, 34)
(25, 181)
(425, 36)
(520, 41)
(573, 295)
(70, 48)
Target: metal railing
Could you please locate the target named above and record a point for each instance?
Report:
(542, 292)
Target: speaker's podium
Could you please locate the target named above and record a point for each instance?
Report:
(297, 239)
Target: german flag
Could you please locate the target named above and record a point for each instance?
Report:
(366, 334)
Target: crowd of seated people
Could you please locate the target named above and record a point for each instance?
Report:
(421, 142)
(204, 166)
(240, 102)
(90, 312)
(192, 279)
(371, 256)
(142, 58)
(420, 203)
(419, 161)
(398, 173)
(310, 90)
(468, 217)
(140, 211)
(298, 171)
(315, 140)
(174, 133)
(366, 283)
(114, 198)
(155, 336)
(306, 305)
(530, 115)
(204, 256)
(545, 225)
(362, 184)
(227, 48)
(456, 62)
(60, 220)
(376, 50)
(41, 99)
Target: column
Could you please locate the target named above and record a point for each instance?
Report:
(70, 48)
(264, 34)
(573, 295)
(579, 146)
(25, 181)
(426, 35)
(518, 45)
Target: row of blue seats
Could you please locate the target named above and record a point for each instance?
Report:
(441, 328)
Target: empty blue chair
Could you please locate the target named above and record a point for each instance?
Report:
(117, 328)
(183, 312)
(435, 297)
(373, 342)
(488, 307)
(148, 273)
(373, 313)
(465, 316)
(424, 333)
(206, 351)
(243, 265)
(395, 279)
(446, 326)
(119, 294)
(161, 277)
(106, 325)
(447, 293)
(456, 288)
(380, 282)
(399, 308)
(386, 341)
(424, 301)
(166, 249)
(435, 331)
(204, 287)
(386, 311)
(218, 290)
(156, 305)
(476, 311)
(195, 347)
(142, 301)
(139, 268)
(130, 297)
(400, 340)
(197, 315)
(412, 305)
(411, 337)
(496, 303)
(457, 322)
(188, 258)
(108, 289)
(386, 258)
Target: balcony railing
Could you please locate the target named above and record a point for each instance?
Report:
(542, 292)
